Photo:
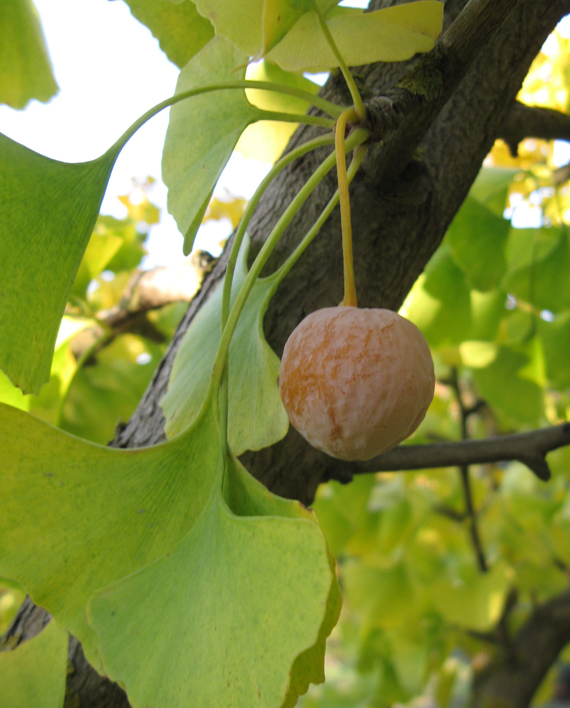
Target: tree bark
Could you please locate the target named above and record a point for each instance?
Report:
(403, 201)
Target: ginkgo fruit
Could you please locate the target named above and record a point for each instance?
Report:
(355, 382)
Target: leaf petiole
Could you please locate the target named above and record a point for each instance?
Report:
(327, 107)
(357, 137)
(352, 87)
(321, 141)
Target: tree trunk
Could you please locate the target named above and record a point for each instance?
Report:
(403, 201)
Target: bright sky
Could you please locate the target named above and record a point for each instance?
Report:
(110, 70)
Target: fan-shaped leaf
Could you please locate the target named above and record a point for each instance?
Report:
(476, 240)
(203, 132)
(180, 30)
(25, 67)
(50, 209)
(253, 578)
(257, 418)
(82, 516)
(33, 674)
(393, 34)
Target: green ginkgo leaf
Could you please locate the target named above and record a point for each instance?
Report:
(180, 30)
(25, 67)
(203, 132)
(81, 516)
(33, 674)
(541, 281)
(257, 417)
(50, 208)
(393, 34)
(476, 239)
(221, 619)
(265, 140)
(255, 26)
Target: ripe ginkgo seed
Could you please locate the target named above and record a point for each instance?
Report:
(356, 382)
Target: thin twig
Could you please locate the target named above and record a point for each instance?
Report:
(528, 448)
(466, 412)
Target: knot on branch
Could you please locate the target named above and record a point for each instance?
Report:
(384, 116)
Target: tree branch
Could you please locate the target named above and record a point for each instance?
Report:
(528, 448)
(533, 122)
(146, 291)
(512, 676)
(402, 117)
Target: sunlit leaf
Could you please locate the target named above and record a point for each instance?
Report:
(476, 240)
(100, 250)
(265, 140)
(107, 388)
(34, 674)
(25, 67)
(392, 34)
(231, 209)
(491, 188)
(256, 25)
(180, 30)
(384, 597)
(82, 516)
(257, 417)
(483, 593)
(240, 597)
(131, 251)
(203, 132)
(439, 303)
(555, 339)
(543, 281)
(502, 385)
(45, 226)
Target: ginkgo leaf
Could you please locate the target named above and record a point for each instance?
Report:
(50, 210)
(476, 239)
(33, 674)
(244, 594)
(81, 516)
(203, 132)
(257, 417)
(265, 140)
(180, 30)
(25, 67)
(542, 281)
(392, 34)
(254, 26)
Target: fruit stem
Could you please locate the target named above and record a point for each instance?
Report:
(284, 269)
(348, 263)
(354, 92)
(324, 168)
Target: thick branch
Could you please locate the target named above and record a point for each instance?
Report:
(533, 122)
(528, 448)
(403, 116)
(513, 675)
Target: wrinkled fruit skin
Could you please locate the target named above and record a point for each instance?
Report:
(356, 382)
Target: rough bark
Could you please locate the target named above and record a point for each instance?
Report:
(403, 200)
